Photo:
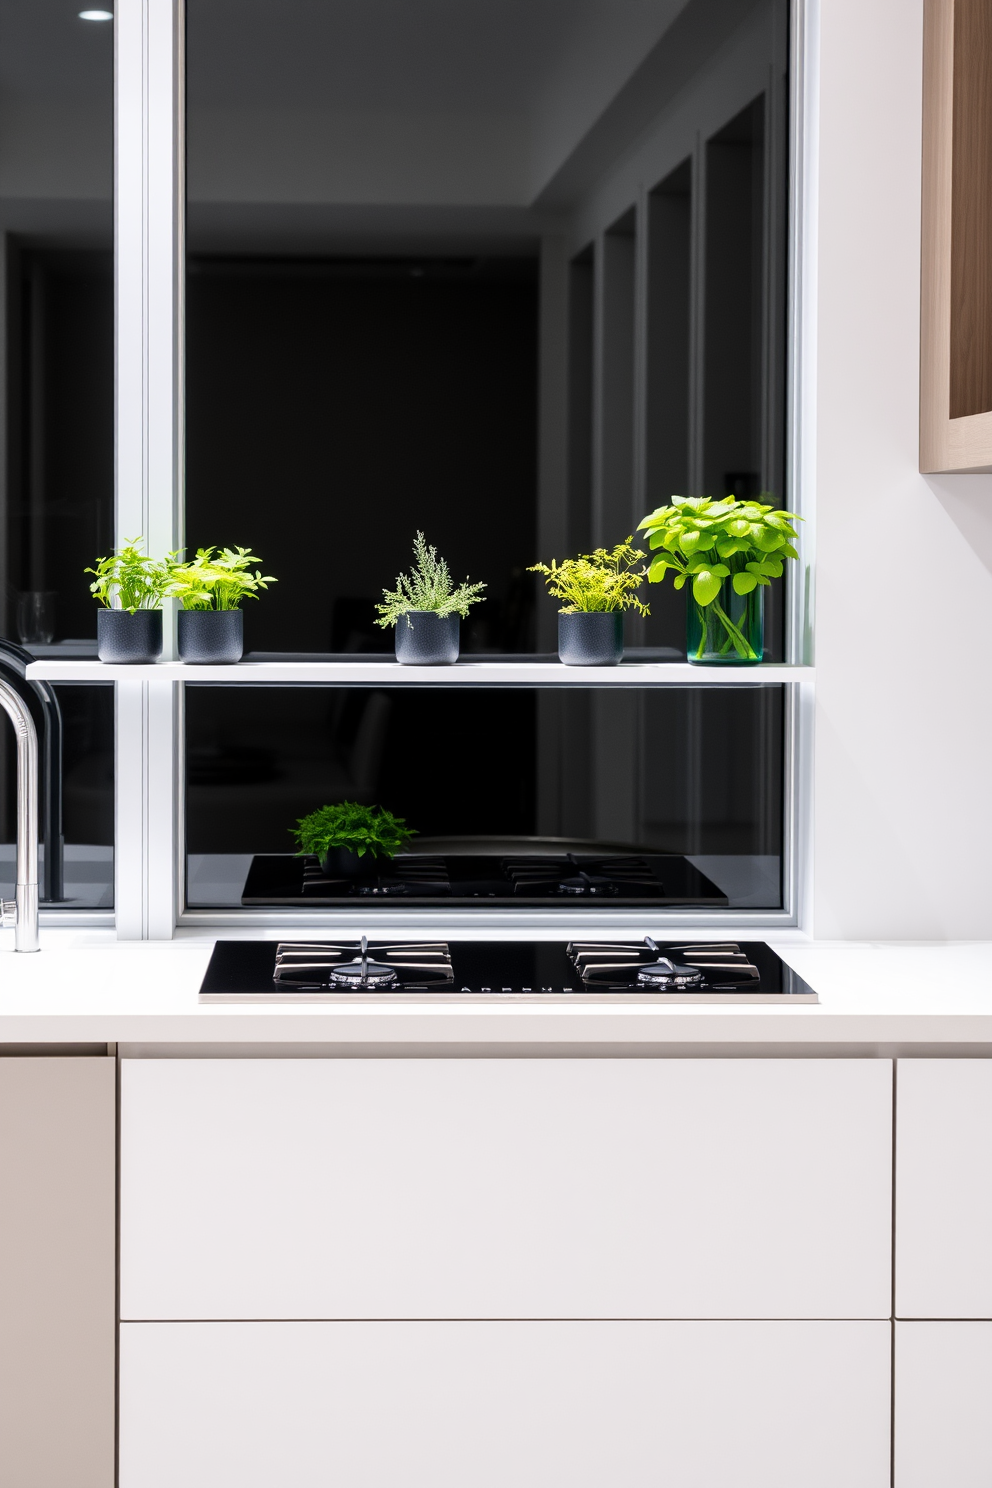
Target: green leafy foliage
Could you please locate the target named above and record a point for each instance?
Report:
(361, 829)
(597, 581)
(216, 579)
(128, 580)
(707, 542)
(428, 586)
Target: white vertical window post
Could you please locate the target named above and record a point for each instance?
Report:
(148, 205)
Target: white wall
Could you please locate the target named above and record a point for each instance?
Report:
(903, 786)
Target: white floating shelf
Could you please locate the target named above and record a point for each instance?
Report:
(360, 673)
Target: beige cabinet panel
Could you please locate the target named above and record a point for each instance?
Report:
(57, 1272)
(944, 1188)
(510, 1188)
(943, 1387)
(489, 1405)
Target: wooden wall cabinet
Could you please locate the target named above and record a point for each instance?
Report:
(956, 299)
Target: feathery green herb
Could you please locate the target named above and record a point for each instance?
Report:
(597, 581)
(428, 586)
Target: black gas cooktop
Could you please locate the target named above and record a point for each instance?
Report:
(486, 970)
(560, 878)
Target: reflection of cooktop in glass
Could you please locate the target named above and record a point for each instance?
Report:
(560, 878)
(479, 970)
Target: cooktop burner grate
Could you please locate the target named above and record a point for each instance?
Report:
(720, 967)
(357, 966)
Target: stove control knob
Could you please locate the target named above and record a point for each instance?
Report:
(8, 913)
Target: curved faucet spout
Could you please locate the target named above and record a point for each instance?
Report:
(24, 912)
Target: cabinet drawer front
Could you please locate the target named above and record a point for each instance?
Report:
(505, 1188)
(536, 1405)
(943, 1385)
(944, 1188)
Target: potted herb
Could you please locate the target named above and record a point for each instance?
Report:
(731, 550)
(427, 608)
(130, 587)
(596, 588)
(342, 835)
(210, 588)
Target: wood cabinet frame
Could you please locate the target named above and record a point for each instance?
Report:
(956, 295)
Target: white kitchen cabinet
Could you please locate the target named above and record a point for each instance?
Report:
(943, 1387)
(505, 1188)
(487, 1405)
(944, 1188)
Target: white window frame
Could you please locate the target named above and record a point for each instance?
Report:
(149, 269)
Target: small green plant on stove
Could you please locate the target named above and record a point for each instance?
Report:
(360, 829)
(428, 586)
(709, 541)
(217, 579)
(597, 581)
(128, 580)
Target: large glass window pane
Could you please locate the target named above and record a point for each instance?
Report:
(57, 420)
(518, 797)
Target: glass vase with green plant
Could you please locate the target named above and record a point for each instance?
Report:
(342, 834)
(217, 579)
(729, 551)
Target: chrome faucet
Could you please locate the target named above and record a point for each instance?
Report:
(22, 911)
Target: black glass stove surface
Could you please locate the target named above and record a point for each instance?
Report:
(277, 879)
(638, 970)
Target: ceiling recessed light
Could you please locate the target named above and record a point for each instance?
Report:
(96, 15)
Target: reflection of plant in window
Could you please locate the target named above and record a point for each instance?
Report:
(428, 586)
(596, 582)
(359, 829)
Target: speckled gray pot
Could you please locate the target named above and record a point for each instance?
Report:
(208, 637)
(122, 637)
(426, 639)
(590, 639)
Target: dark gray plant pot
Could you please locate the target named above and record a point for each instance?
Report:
(211, 636)
(426, 639)
(590, 638)
(341, 862)
(122, 637)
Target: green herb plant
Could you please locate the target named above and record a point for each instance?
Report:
(360, 829)
(709, 542)
(217, 579)
(428, 586)
(128, 580)
(597, 581)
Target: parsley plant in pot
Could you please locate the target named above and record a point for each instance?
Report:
(349, 837)
(596, 588)
(728, 551)
(211, 588)
(427, 608)
(130, 588)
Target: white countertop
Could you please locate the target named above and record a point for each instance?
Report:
(87, 987)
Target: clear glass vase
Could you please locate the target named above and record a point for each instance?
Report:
(728, 632)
